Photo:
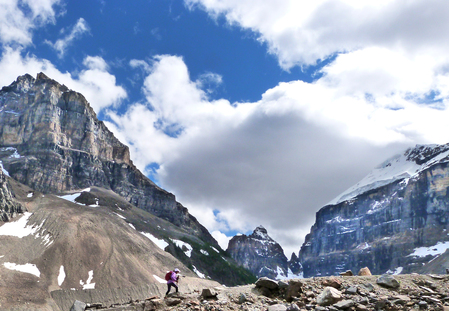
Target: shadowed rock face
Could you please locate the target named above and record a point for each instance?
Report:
(8, 205)
(52, 141)
(259, 253)
(381, 228)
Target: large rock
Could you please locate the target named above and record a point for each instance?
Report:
(388, 281)
(329, 296)
(294, 289)
(267, 283)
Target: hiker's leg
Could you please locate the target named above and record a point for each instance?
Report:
(169, 287)
(176, 286)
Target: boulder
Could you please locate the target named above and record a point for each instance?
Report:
(329, 296)
(78, 306)
(332, 282)
(389, 281)
(207, 293)
(267, 283)
(364, 272)
(294, 289)
(347, 273)
(172, 301)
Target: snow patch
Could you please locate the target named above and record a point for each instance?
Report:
(160, 280)
(201, 275)
(215, 249)
(204, 252)
(26, 268)
(132, 226)
(61, 275)
(30, 195)
(159, 242)
(72, 197)
(394, 169)
(182, 244)
(435, 250)
(88, 284)
(396, 271)
(119, 215)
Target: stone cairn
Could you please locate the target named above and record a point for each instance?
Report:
(334, 293)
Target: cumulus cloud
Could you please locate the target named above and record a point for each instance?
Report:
(81, 27)
(302, 32)
(273, 162)
(19, 18)
(93, 81)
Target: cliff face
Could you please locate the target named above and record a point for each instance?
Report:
(261, 255)
(55, 143)
(9, 207)
(395, 220)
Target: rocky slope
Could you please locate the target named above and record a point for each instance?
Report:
(52, 141)
(261, 255)
(405, 292)
(395, 220)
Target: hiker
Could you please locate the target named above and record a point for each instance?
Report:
(172, 280)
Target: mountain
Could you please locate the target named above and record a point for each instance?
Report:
(263, 256)
(77, 214)
(395, 220)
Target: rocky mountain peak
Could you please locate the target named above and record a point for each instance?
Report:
(262, 255)
(390, 221)
(261, 233)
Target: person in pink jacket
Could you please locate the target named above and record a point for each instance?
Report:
(173, 281)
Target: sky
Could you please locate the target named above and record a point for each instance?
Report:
(252, 112)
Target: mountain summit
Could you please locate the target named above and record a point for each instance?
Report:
(393, 221)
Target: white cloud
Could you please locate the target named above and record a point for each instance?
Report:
(81, 27)
(221, 238)
(93, 81)
(19, 18)
(302, 32)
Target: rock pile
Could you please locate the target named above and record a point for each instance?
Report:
(356, 293)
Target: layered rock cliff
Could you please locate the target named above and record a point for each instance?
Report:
(261, 255)
(395, 220)
(9, 207)
(56, 143)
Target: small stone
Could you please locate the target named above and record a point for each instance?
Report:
(207, 293)
(352, 290)
(294, 289)
(368, 287)
(293, 307)
(172, 301)
(242, 298)
(277, 307)
(344, 304)
(422, 304)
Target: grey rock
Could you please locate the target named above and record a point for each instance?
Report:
(172, 301)
(352, 290)
(344, 304)
(294, 289)
(328, 296)
(293, 307)
(242, 298)
(277, 307)
(208, 293)
(388, 281)
(78, 306)
(267, 283)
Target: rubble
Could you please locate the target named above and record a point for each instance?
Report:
(356, 293)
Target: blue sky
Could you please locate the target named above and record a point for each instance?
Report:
(252, 112)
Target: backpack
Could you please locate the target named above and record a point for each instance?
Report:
(168, 275)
